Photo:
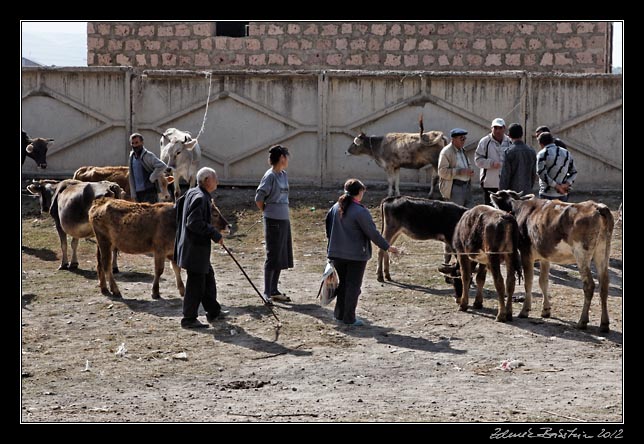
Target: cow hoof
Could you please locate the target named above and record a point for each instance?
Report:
(117, 295)
(582, 325)
(380, 279)
(523, 315)
(462, 307)
(63, 267)
(478, 304)
(604, 328)
(73, 266)
(105, 292)
(508, 317)
(156, 296)
(500, 318)
(545, 314)
(115, 270)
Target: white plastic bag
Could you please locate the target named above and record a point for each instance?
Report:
(329, 284)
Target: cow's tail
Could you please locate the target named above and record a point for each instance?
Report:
(382, 212)
(513, 241)
(420, 124)
(609, 223)
(53, 208)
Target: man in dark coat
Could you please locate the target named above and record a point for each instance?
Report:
(519, 169)
(192, 249)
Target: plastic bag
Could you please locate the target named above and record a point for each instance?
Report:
(329, 284)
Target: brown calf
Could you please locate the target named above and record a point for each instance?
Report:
(488, 236)
(138, 228)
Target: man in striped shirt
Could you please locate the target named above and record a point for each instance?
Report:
(556, 169)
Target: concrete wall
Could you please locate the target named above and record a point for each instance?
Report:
(437, 46)
(91, 111)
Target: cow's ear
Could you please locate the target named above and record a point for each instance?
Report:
(49, 140)
(527, 197)
(190, 145)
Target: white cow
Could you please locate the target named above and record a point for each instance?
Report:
(182, 154)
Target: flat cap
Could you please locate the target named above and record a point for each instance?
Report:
(457, 132)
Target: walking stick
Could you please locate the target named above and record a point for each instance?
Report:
(279, 324)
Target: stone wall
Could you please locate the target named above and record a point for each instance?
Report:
(582, 47)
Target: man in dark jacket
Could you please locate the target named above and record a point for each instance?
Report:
(544, 129)
(192, 249)
(519, 169)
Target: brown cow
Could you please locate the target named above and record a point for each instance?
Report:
(563, 233)
(69, 209)
(138, 228)
(120, 175)
(117, 174)
(394, 151)
(488, 236)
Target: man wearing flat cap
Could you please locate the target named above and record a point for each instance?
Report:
(455, 174)
(489, 156)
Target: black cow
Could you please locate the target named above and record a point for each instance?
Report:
(420, 219)
(36, 149)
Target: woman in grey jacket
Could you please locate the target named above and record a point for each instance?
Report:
(272, 198)
(350, 230)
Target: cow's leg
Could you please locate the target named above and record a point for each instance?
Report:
(159, 265)
(528, 275)
(397, 181)
(510, 284)
(99, 271)
(382, 256)
(495, 266)
(544, 271)
(385, 258)
(177, 276)
(74, 263)
(602, 255)
(480, 283)
(466, 277)
(391, 178)
(64, 265)
(589, 289)
(115, 264)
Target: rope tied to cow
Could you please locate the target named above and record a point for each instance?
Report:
(403, 252)
(205, 115)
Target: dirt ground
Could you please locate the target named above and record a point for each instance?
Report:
(90, 358)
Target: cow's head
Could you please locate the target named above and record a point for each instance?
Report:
(452, 275)
(218, 220)
(177, 147)
(164, 194)
(504, 199)
(37, 149)
(360, 145)
(44, 190)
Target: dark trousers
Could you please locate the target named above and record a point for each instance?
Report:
(201, 288)
(350, 274)
(271, 278)
(486, 195)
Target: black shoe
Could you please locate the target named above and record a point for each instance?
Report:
(280, 297)
(212, 318)
(192, 323)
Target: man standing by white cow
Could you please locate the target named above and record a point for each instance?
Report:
(182, 154)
